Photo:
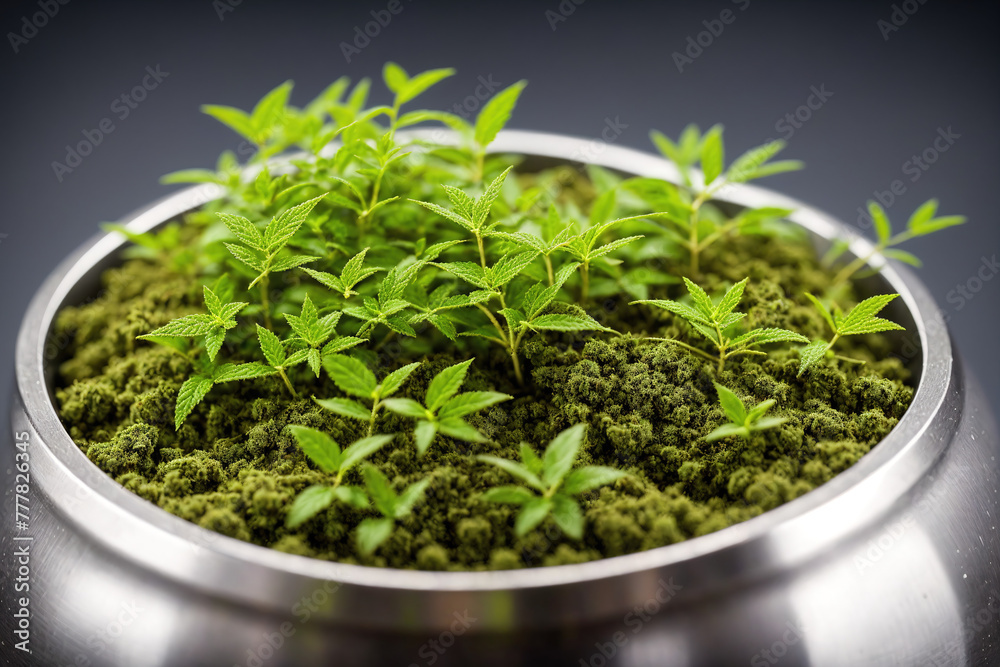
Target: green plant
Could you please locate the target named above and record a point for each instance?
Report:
(392, 506)
(354, 378)
(860, 320)
(325, 453)
(921, 223)
(552, 483)
(444, 408)
(212, 327)
(742, 422)
(717, 323)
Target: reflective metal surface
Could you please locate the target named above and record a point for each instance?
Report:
(894, 562)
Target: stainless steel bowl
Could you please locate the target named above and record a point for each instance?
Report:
(895, 561)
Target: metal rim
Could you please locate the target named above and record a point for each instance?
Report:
(788, 534)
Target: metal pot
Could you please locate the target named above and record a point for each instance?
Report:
(895, 561)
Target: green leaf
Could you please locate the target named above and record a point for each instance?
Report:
(509, 266)
(445, 213)
(765, 336)
(767, 422)
(446, 384)
(455, 427)
(340, 344)
(191, 393)
(233, 372)
(469, 402)
(291, 262)
(903, 256)
(823, 310)
(247, 256)
(811, 354)
(318, 446)
(362, 449)
(406, 407)
(567, 322)
(308, 504)
(284, 225)
(745, 166)
(467, 271)
(728, 430)
(515, 470)
(530, 459)
(244, 230)
(677, 308)
(701, 300)
(731, 404)
(532, 513)
(410, 496)
(274, 351)
(380, 490)
(496, 113)
(420, 83)
(190, 176)
(372, 533)
(862, 318)
(924, 214)
(352, 495)
(881, 221)
(712, 155)
(213, 342)
(395, 77)
(561, 453)
(350, 375)
(568, 516)
(394, 380)
(233, 118)
(269, 110)
(938, 224)
(513, 495)
(423, 435)
(345, 407)
(614, 245)
(187, 326)
(588, 478)
(730, 300)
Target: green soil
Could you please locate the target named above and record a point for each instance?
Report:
(234, 468)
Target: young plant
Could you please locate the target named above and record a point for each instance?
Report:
(261, 251)
(325, 453)
(491, 120)
(551, 483)
(392, 506)
(220, 319)
(354, 378)
(198, 385)
(353, 273)
(860, 320)
(315, 332)
(742, 422)
(921, 223)
(708, 151)
(716, 322)
(444, 408)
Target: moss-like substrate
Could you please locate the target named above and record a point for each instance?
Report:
(234, 468)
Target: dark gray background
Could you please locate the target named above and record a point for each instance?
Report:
(606, 60)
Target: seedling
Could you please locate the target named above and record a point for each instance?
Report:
(551, 483)
(716, 322)
(354, 378)
(392, 506)
(742, 422)
(325, 453)
(221, 318)
(197, 386)
(860, 320)
(921, 223)
(444, 408)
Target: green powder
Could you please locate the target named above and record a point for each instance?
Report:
(234, 468)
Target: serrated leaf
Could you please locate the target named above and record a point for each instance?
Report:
(445, 213)
(811, 354)
(515, 470)
(291, 262)
(496, 113)
(468, 271)
(561, 453)
(712, 154)
(568, 516)
(362, 449)
(589, 478)
(371, 533)
(446, 384)
(244, 230)
(284, 225)
(882, 227)
(327, 279)
(190, 395)
(766, 336)
(345, 407)
(677, 308)
(731, 404)
(269, 110)
(823, 310)
(614, 245)
(730, 300)
(394, 380)
(745, 166)
(701, 300)
(350, 375)
(247, 256)
(864, 313)
(481, 210)
(420, 83)
(186, 326)
(512, 495)
(274, 351)
(423, 435)
(234, 119)
(567, 323)
(308, 504)
(213, 342)
(340, 344)
(234, 372)
(406, 407)
(318, 446)
(455, 427)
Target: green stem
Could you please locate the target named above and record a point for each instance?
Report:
(693, 247)
(480, 166)
(482, 250)
(585, 281)
(371, 422)
(265, 302)
(700, 353)
(548, 269)
(281, 372)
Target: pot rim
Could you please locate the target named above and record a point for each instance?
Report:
(798, 530)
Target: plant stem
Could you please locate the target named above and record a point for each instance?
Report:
(371, 422)
(265, 302)
(480, 166)
(585, 281)
(281, 372)
(693, 247)
(701, 353)
(548, 269)
(482, 250)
